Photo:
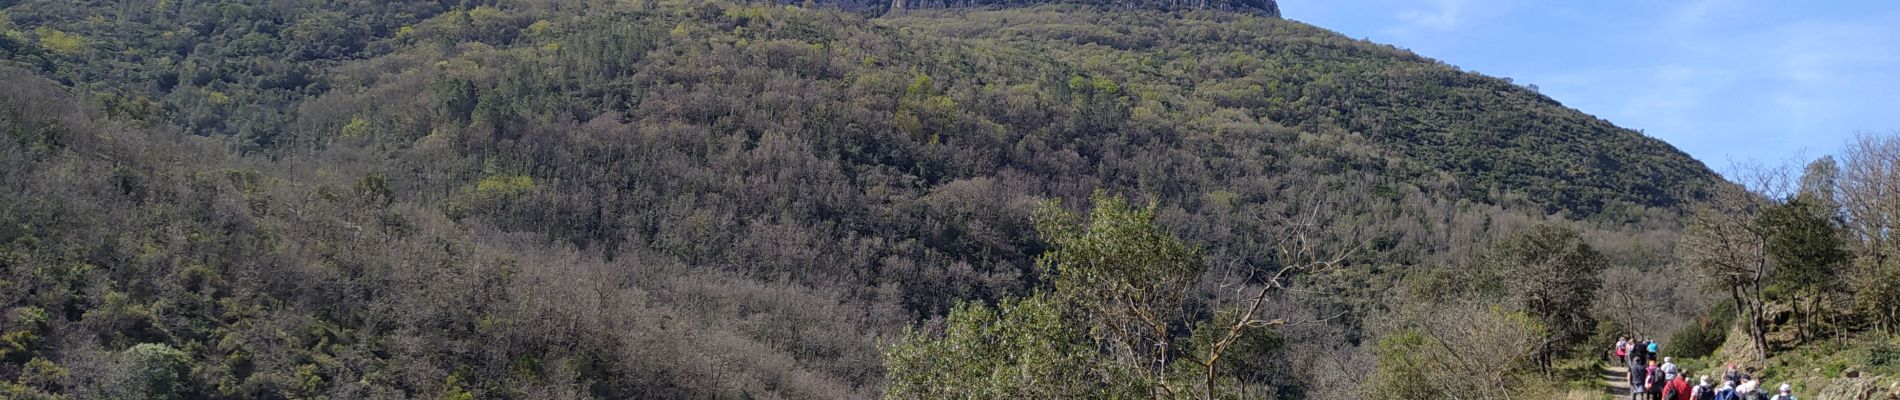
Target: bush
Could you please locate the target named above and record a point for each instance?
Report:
(1701, 338)
(1883, 354)
(1607, 332)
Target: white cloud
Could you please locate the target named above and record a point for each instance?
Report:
(1695, 12)
(1415, 19)
(1442, 15)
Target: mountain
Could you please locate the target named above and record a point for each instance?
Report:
(1262, 7)
(641, 199)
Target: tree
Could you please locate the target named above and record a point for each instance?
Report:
(1821, 180)
(1869, 192)
(1552, 276)
(1729, 250)
(1106, 326)
(1023, 348)
(1126, 276)
(1806, 246)
(1233, 330)
(161, 369)
(1456, 350)
(1103, 328)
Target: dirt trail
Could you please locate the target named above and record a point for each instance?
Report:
(1617, 379)
(1615, 383)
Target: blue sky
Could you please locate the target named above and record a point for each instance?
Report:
(1724, 80)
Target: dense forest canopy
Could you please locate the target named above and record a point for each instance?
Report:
(1262, 7)
(636, 199)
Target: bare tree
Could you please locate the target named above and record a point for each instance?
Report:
(1305, 255)
(1729, 249)
(1869, 194)
(1457, 350)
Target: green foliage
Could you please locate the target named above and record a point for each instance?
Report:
(373, 188)
(1402, 372)
(1119, 283)
(1120, 265)
(504, 185)
(161, 370)
(1257, 357)
(20, 338)
(40, 374)
(453, 390)
(1883, 354)
(1547, 272)
(1705, 335)
(61, 43)
(1554, 276)
(1457, 351)
(1805, 242)
(711, 199)
(358, 127)
(1023, 348)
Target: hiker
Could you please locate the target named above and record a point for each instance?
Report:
(1750, 389)
(1638, 376)
(1726, 392)
(1702, 390)
(1669, 366)
(1654, 387)
(1620, 351)
(1677, 388)
(1787, 392)
(1732, 376)
(1654, 349)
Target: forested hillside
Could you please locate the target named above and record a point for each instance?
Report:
(1263, 7)
(638, 199)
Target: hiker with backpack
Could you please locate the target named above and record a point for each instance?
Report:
(1639, 375)
(1677, 388)
(1726, 392)
(1749, 390)
(1654, 386)
(1702, 390)
(1787, 392)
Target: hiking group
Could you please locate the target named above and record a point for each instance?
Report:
(1650, 380)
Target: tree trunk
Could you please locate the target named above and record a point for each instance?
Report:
(1755, 322)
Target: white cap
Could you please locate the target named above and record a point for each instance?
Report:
(1667, 359)
(1786, 387)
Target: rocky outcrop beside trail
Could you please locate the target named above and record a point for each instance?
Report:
(1859, 388)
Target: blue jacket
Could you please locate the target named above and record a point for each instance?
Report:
(1725, 394)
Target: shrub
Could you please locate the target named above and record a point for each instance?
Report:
(1702, 337)
(1883, 354)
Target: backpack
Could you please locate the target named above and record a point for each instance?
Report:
(1702, 392)
(1725, 394)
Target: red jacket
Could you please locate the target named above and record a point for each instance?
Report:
(1677, 389)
